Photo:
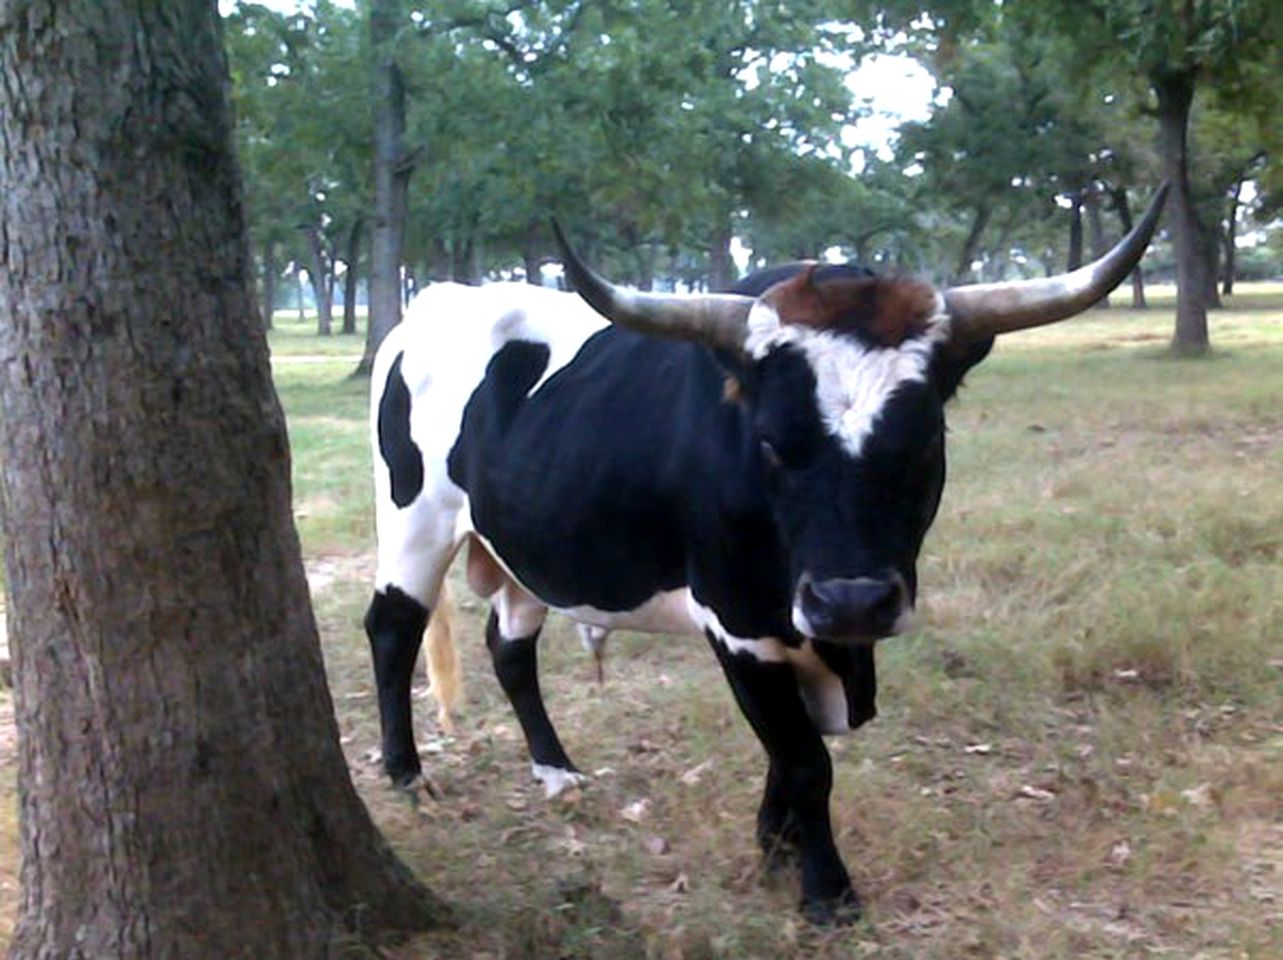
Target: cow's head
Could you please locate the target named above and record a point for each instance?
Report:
(844, 377)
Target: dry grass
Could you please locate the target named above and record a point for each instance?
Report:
(1079, 754)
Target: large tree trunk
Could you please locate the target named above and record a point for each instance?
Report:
(1123, 206)
(1175, 93)
(321, 282)
(392, 168)
(182, 790)
(351, 275)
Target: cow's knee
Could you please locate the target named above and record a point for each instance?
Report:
(394, 624)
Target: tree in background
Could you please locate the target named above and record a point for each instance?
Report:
(182, 789)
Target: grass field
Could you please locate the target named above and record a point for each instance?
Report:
(1079, 751)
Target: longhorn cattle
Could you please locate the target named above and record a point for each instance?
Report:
(759, 468)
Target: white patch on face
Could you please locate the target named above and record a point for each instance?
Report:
(556, 780)
(853, 382)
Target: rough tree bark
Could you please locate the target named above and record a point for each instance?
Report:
(393, 165)
(182, 790)
(1175, 94)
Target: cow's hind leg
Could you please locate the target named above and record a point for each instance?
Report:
(512, 636)
(416, 545)
(801, 779)
(394, 624)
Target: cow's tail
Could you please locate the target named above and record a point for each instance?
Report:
(444, 675)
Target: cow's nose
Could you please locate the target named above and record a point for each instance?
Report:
(860, 609)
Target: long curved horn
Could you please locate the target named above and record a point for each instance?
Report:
(988, 309)
(717, 319)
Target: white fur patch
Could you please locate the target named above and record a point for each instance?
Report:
(556, 780)
(763, 649)
(821, 689)
(853, 382)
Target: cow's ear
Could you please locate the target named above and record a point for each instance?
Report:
(952, 363)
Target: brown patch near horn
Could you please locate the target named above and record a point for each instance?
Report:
(883, 310)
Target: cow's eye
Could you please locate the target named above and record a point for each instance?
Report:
(769, 456)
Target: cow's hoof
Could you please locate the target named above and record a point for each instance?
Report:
(840, 911)
(556, 780)
(416, 786)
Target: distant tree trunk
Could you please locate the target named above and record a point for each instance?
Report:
(271, 272)
(1096, 227)
(1230, 265)
(1123, 206)
(298, 284)
(320, 282)
(438, 259)
(979, 221)
(531, 259)
(1075, 258)
(1212, 241)
(1175, 92)
(182, 789)
(721, 268)
(393, 165)
(646, 266)
(352, 259)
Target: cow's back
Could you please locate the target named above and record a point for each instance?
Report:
(424, 373)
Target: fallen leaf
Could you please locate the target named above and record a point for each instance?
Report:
(980, 748)
(657, 846)
(636, 810)
(1030, 792)
(680, 885)
(1200, 796)
(691, 776)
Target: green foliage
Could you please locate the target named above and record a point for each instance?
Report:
(656, 129)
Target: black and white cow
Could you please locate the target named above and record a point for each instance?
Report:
(759, 468)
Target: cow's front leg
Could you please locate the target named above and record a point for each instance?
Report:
(802, 779)
(778, 833)
(516, 664)
(394, 624)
